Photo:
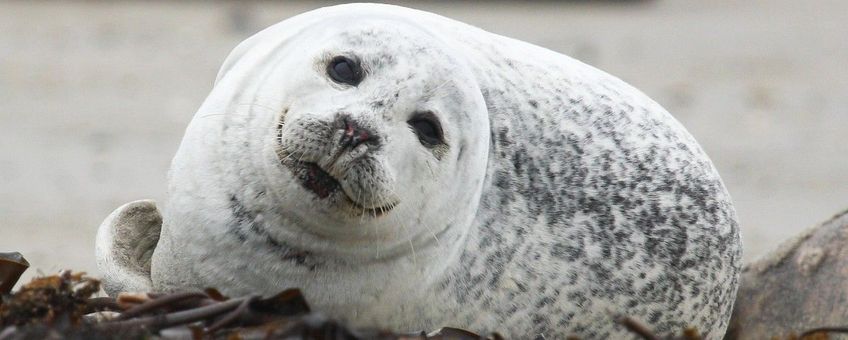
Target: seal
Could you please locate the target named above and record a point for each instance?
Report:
(410, 171)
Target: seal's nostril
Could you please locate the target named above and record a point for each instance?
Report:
(353, 133)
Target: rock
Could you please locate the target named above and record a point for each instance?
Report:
(12, 265)
(800, 286)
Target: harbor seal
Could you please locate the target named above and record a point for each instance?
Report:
(409, 171)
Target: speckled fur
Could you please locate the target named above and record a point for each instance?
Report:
(596, 203)
(562, 199)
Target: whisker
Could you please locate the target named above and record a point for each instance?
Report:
(414, 258)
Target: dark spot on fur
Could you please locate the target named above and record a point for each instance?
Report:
(244, 225)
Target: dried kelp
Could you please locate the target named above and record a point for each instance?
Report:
(48, 299)
(64, 306)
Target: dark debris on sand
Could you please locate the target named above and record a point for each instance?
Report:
(64, 306)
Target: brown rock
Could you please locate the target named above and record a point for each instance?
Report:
(12, 265)
(800, 286)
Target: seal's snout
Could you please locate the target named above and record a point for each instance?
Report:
(353, 133)
(338, 156)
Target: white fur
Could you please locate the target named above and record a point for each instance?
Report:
(377, 262)
(124, 245)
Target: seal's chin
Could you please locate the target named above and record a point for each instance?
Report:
(322, 184)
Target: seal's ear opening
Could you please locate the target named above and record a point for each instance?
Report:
(125, 244)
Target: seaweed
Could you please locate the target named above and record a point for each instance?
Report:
(65, 306)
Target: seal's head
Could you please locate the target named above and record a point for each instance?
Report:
(368, 132)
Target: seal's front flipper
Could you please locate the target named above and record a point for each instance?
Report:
(125, 244)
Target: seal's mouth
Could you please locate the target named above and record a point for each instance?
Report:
(317, 180)
(322, 184)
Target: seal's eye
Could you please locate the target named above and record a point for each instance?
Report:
(428, 129)
(344, 70)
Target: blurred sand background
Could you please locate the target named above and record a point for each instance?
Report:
(94, 97)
